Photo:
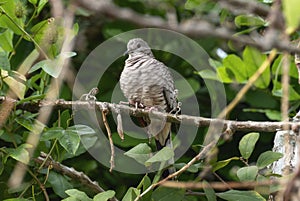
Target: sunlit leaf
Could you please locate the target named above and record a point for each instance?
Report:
(237, 67)
(162, 155)
(220, 164)
(253, 59)
(291, 13)
(131, 194)
(78, 195)
(236, 195)
(15, 82)
(20, 153)
(104, 196)
(267, 158)
(247, 144)
(247, 173)
(249, 20)
(52, 133)
(70, 140)
(141, 153)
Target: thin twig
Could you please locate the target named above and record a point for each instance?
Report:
(112, 149)
(219, 185)
(40, 184)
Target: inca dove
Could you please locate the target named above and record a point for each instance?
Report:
(147, 83)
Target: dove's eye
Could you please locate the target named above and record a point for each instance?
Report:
(138, 45)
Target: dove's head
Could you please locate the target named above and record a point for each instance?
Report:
(138, 46)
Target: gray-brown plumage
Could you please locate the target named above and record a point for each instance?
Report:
(147, 83)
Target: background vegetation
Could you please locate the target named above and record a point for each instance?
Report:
(34, 61)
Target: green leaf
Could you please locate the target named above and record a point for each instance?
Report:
(267, 158)
(10, 22)
(209, 74)
(51, 67)
(253, 60)
(29, 123)
(273, 115)
(20, 153)
(15, 82)
(4, 61)
(141, 153)
(38, 65)
(209, 192)
(28, 62)
(131, 194)
(6, 40)
(247, 144)
(145, 183)
(70, 140)
(277, 91)
(249, 20)
(236, 195)
(104, 196)
(41, 5)
(236, 66)
(167, 194)
(224, 75)
(52, 133)
(82, 130)
(277, 68)
(247, 173)
(59, 183)
(220, 164)
(291, 13)
(79, 195)
(162, 155)
(34, 2)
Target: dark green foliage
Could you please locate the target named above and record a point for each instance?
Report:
(30, 58)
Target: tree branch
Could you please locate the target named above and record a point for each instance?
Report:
(192, 28)
(186, 119)
(70, 172)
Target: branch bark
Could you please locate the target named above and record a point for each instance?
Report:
(70, 172)
(186, 119)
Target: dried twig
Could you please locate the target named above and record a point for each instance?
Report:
(120, 125)
(104, 112)
(219, 185)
